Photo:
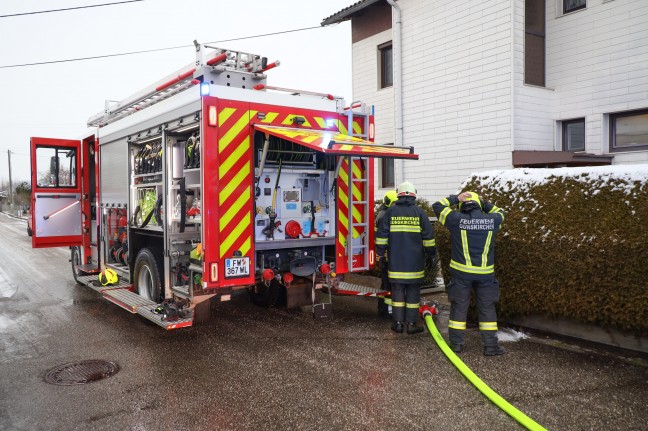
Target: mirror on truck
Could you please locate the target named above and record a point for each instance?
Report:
(54, 169)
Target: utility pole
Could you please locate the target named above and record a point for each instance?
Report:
(10, 184)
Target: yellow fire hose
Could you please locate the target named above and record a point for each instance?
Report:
(500, 402)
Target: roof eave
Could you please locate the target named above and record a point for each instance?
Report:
(348, 12)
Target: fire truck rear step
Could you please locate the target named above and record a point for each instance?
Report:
(358, 290)
(127, 300)
(136, 304)
(157, 319)
(93, 283)
(121, 295)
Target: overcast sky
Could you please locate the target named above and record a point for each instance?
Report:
(55, 100)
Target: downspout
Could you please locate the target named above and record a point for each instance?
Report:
(398, 88)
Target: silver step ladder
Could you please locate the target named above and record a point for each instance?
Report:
(354, 249)
(358, 247)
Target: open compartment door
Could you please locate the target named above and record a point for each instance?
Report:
(354, 242)
(56, 192)
(334, 143)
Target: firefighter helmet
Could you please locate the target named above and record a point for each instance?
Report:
(406, 189)
(390, 197)
(472, 202)
(108, 277)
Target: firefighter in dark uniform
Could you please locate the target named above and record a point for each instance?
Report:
(472, 266)
(384, 303)
(407, 236)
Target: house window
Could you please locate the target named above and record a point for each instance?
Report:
(573, 135)
(386, 68)
(387, 173)
(572, 5)
(534, 42)
(629, 131)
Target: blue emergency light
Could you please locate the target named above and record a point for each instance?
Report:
(204, 88)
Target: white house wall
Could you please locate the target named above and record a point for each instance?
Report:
(366, 81)
(598, 64)
(533, 127)
(466, 107)
(457, 90)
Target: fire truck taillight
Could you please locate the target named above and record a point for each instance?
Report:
(372, 257)
(213, 118)
(214, 272)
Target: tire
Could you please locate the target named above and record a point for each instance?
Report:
(75, 259)
(268, 296)
(147, 276)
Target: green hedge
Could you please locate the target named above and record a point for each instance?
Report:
(574, 244)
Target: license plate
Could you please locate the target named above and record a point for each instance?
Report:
(237, 267)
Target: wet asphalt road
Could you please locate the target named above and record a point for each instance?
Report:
(251, 368)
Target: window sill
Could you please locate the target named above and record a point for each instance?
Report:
(560, 14)
(628, 150)
(538, 87)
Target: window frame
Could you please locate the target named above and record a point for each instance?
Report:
(612, 126)
(383, 169)
(72, 172)
(565, 141)
(382, 49)
(541, 35)
(573, 9)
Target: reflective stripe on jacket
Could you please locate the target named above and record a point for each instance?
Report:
(406, 234)
(473, 236)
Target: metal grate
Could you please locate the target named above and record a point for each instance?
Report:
(82, 372)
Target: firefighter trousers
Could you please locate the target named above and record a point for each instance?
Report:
(405, 302)
(384, 302)
(486, 294)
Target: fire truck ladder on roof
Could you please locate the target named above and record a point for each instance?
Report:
(358, 247)
(219, 60)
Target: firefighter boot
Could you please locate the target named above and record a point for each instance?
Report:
(456, 339)
(413, 329)
(491, 343)
(397, 327)
(494, 350)
(457, 348)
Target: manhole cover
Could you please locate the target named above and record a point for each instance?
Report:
(82, 372)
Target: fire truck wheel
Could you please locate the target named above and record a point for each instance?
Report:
(76, 262)
(268, 296)
(148, 282)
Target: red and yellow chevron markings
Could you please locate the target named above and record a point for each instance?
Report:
(343, 201)
(235, 178)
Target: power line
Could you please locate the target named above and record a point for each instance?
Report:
(69, 8)
(156, 49)
(94, 57)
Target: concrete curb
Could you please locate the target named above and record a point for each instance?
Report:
(610, 337)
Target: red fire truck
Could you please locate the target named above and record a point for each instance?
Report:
(210, 182)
